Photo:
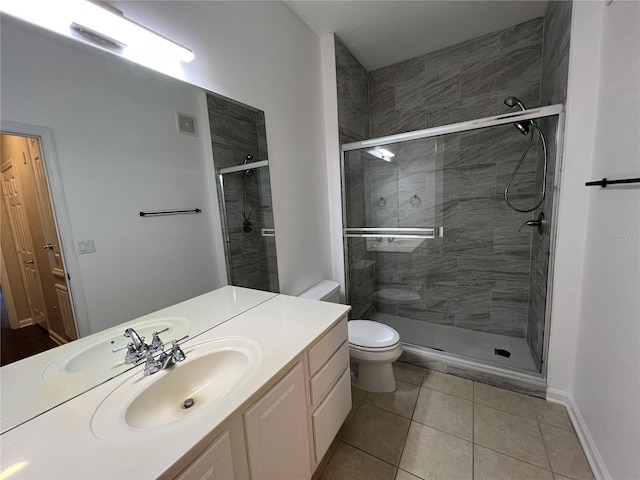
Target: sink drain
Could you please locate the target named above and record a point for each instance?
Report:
(188, 403)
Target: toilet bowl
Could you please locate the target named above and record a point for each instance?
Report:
(373, 346)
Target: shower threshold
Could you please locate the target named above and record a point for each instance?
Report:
(462, 342)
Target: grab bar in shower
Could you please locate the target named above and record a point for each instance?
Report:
(406, 232)
(267, 232)
(604, 182)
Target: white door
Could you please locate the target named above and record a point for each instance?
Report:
(19, 223)
(52, 241)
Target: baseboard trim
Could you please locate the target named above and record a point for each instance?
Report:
(596, 462)
(25, 322)
(57, 338)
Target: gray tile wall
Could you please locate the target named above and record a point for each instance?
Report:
(484, 274)
(353, 96)
(555, 70)
(238, 131)
(353, 125)
(477, 277)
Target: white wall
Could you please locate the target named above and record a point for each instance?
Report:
(262, 54)
(595, 340)
(119, 152)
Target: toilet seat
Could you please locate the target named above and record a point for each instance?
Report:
(371, 336)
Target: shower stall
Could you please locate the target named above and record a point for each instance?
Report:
(432, 248)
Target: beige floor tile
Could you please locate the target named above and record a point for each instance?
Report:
(490, 465)
(402, 401)
(560, 477)
(553, 414)
(327, 457)
(435, 455)
(565, 453)
(349, 463)
(456, 386)
(445, 412)
(377, 432)
(402, 475)
(510, 434)
(505, 400)
(357, 396)
(408, 373)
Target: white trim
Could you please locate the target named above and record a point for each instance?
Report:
(61, 217)
(496, 120)
(589, 446)
(56, 338)
(25, 322)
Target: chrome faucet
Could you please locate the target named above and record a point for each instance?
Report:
(136, 349)
(165, 359)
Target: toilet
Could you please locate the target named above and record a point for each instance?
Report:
(373, 346)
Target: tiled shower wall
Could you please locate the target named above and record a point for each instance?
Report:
(238, 131)
(477, 277)
(555, 70)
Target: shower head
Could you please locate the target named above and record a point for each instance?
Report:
(513, 102)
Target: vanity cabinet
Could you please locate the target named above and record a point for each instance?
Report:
(289, 428)
(329, 387)
(215, 463)
(277, 431)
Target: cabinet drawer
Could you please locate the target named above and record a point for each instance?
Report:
(330, 415)
(322, 382)
(322, 351)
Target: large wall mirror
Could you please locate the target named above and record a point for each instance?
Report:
(122, 140)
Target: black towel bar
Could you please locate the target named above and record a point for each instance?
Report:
(604, 182)
(170, 212)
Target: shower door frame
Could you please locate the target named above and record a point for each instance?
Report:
(496, 120)
(264, 232)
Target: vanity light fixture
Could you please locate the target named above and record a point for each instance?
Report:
(109, 28)
(382, 153)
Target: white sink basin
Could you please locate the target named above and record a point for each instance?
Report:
(149, 404)
(89, 358)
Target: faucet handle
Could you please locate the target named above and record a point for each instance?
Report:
(176, 351)
(150, 365)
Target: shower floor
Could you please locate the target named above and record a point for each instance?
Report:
(461, 341)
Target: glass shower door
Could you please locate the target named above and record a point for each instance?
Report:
(393, 211)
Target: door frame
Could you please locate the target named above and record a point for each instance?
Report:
(60, 216)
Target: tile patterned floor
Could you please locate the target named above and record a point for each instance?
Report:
(441, 427)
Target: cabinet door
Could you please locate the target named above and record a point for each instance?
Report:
(278, 432)
(215, 463)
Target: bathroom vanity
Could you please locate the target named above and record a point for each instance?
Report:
(264, 395)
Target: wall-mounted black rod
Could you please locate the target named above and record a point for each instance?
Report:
(604, 182)
(170, 212)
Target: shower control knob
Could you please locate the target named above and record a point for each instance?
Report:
(538, 223)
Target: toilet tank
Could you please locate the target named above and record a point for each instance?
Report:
(326, 291)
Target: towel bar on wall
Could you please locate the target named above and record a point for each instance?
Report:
(170, 212)
(604, 182)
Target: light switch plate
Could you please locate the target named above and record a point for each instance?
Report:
(86, 246)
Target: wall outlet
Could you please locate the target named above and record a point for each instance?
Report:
(86, 246)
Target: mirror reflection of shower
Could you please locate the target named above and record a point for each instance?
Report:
(240, 157)
(526, 127)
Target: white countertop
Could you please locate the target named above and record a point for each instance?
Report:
(60, 443)
(27, 391)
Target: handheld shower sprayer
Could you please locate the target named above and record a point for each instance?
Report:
(526, 127)
(513, 102)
